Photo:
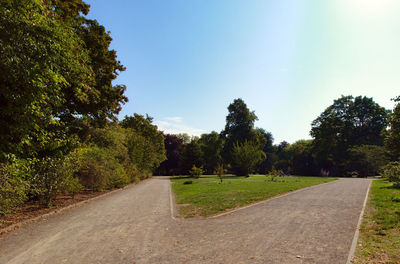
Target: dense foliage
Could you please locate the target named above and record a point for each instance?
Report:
(347, 123)
(348, 140)
(58, 107)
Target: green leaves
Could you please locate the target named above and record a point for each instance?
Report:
(346, 123)
(245, 156)
(55, 67)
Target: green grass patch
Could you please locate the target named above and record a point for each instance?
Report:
(379, 240)
(206, 196)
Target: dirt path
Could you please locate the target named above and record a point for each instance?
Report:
(315, 225)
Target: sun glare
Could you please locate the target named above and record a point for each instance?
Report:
(372, 7)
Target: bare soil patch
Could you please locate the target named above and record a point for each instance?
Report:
(32, 209)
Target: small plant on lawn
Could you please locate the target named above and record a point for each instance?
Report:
(274, 173)
(392, 172)
(196, 172)
(220, 171)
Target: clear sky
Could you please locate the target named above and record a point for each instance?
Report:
(187, 60)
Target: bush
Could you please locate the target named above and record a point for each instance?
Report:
(54, 176)
(392, 172)
(196, 172)
(99, 170)
(13, 184)
(274, 173)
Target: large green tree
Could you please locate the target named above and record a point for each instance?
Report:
(239, 129)
(348, 122)
(239, 124)
(55, 68)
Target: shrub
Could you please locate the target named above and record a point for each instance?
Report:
(196, 172)
(274, 173)
(98, 169)
(392, 172)
(13, 184)
(54, 176)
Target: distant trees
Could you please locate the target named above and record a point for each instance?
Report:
(174, 146)
(211, 147)
(367, 159)
(348, 140)
(191, 156)
(392, 141)
(348, 122)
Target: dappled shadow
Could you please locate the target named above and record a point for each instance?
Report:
(391, 187)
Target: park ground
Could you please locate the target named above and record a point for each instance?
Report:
(135, 225)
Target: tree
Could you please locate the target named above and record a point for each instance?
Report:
(270, 152)
(283, 158)
(392, 141)
(174, 147)
(191, 156)
(245, 157)
(211, 147)
(55, 68)
(301, 159)
(145, 142)
(348, 122)
(239, 125)
(367, 160)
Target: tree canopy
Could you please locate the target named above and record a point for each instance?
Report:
(348, 122)
(55, 67)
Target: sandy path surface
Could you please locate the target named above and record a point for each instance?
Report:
(314, 225)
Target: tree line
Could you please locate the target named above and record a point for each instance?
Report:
(352, 137)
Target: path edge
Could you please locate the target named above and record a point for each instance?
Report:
(357, 231)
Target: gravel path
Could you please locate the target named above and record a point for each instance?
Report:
(314, 225)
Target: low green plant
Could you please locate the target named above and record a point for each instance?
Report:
(196, 172)
(274, 173)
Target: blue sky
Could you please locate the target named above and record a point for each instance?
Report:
(187, 60)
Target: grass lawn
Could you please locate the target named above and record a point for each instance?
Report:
(206, 196)
(379, 240)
